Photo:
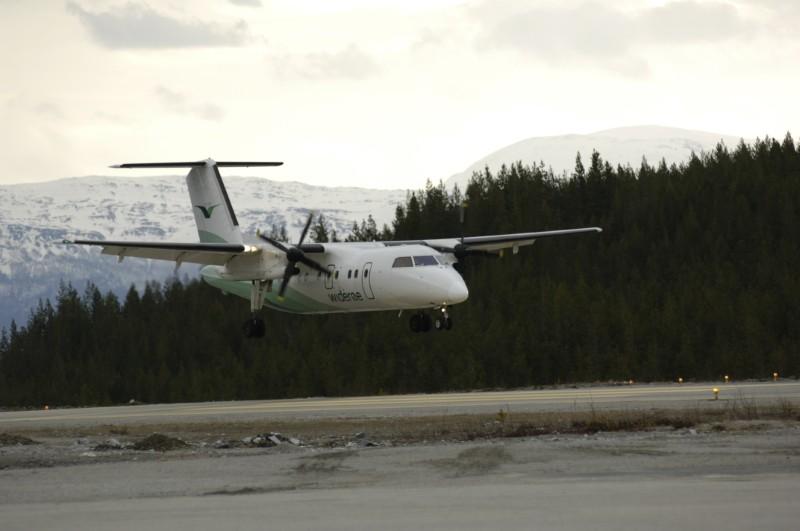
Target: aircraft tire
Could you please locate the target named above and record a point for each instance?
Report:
(254, 327)
(426, 322)
(260, 328)
(448, 323)
(415, 323)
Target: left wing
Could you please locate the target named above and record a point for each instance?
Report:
(494, 243)
(197, 253)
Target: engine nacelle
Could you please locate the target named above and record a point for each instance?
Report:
(261, 264)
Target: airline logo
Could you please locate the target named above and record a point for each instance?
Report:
(207, 211)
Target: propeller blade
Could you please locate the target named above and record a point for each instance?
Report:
(287, 275)
(274, 243)
(305, 229)
(314, 265)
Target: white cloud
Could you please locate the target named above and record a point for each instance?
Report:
(348, 63)
(592, 33)
(178, 103)
(246, 3)
(135, 25)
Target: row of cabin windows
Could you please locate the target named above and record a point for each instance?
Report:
(406, 261)
(351, 273)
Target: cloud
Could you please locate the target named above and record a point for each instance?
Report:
(593, 33)
(50, 110)
(349, 63)
(246, 3)
(138, 26)
(689, 22)
(179, 104)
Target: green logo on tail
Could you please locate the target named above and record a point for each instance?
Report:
(207, 211)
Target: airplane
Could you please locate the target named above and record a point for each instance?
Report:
(317, 278)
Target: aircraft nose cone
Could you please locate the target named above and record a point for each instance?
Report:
(457, 293)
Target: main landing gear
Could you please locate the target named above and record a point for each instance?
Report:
(255, 327)
(422, 322)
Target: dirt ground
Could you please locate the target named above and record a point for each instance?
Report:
(46, 447)
(736, 468)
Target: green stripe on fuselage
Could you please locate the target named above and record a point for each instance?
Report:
(293, 301)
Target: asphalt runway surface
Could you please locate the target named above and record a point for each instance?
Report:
(559, 399)
(741, 475)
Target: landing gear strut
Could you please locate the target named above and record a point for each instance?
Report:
(255, 327)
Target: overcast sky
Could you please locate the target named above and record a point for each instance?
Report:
(375, 93)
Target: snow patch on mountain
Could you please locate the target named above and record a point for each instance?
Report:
(623, 145)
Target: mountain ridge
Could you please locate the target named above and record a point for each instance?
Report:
(620, 145)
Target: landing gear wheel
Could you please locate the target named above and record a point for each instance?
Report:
(443, 323)
(426, 322)
(420, 322)
(254, 327)
(415, 323)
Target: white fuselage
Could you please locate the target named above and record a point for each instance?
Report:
(364, 277)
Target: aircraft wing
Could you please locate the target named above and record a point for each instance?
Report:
(493, 243)
(197, 253)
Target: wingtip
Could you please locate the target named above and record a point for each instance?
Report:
(116, 166)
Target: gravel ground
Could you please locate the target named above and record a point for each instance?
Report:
(657, 470)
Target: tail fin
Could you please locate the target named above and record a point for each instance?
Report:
(213, 213)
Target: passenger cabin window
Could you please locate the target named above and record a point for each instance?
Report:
(366, 272)
(349, 273)
(355, 273)
(336, 275)
(402, 261)
(425, 260)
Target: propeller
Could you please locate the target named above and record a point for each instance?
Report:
(459, 250)
(294, 254)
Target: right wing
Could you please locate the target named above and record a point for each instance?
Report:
(493, 243)
(197, 253)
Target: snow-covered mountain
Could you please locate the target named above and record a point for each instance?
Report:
(623, 145)
(36, 217)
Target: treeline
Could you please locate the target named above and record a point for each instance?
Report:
(695, 275)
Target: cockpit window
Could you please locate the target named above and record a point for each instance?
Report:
(425, 260)
(402, 261)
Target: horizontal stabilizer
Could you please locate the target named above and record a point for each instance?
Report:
(195, 164)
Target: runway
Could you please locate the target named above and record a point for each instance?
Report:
(736, 475)
(557, 399)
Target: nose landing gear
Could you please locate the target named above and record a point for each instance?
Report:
(443, 321)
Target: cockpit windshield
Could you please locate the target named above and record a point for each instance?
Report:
(402, 261)
(425, 261)
(405, 261)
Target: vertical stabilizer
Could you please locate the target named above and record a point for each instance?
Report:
(213, 213)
